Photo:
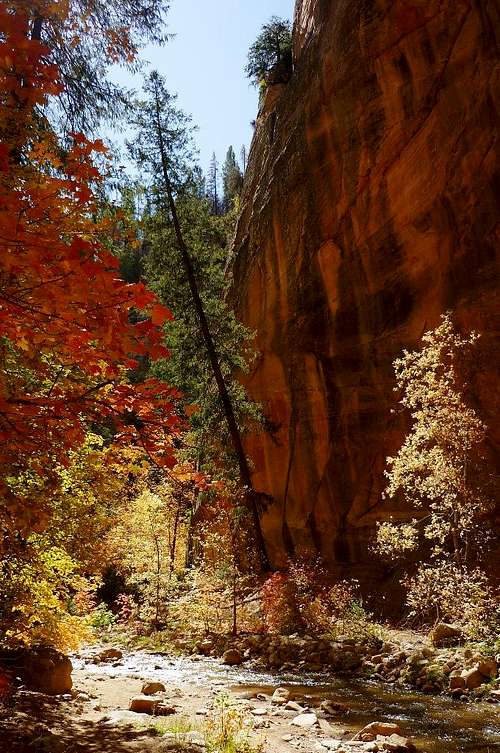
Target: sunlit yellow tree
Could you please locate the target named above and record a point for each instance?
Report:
(440, 468)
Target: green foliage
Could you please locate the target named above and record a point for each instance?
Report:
(232, 180)
(188, 367)
(102, 617)
(156, 120)
(86, 43)
(272, 47)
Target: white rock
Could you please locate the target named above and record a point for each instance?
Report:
(331, 744)
(305, 721)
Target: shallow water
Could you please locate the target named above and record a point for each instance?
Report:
(438, 724)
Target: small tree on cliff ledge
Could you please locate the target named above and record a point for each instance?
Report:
(271, 49)
(440, 467)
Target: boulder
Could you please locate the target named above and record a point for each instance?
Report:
(473, 678)
(333, 708)
(46, 670)
(444, 634)
(150, 688)
(232, 656)
(488, 668)
(205, 646)
(457, 681)
(294, 706)
(330, 744)
(144, 704)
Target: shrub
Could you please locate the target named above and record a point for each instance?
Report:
(442, 591)
(279, 604)
(102, 617)
(304, 599)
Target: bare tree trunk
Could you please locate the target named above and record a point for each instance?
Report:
(158, 571)
(244, 469)
(174, 537)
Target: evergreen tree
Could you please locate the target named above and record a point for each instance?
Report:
(232, 180)
(163, 146)
(84, 43)
(271, 49)
(243, 155)
(212, 184)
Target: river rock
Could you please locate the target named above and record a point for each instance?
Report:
(333, 708)
(445, 635)
(259, 712)
(294, 706)
(280, 696)
(398, 744)
(305, 721)
(488, 667)
(205, 646)
(145, 704)
(150, 688)
(457, 681)
(473, 678)
(232, 656)
(46, 670)
(379, 728)
(331, 744)
(110, 654)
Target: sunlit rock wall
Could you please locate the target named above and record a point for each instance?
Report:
(371, 206)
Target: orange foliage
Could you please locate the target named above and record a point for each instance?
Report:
(66, 337)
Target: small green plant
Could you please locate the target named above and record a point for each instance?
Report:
(226, 731)
(102, 617)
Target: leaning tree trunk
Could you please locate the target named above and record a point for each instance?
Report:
(246, 480)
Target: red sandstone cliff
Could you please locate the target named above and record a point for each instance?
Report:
(371, 206)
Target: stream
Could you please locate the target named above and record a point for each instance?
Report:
(436, 723)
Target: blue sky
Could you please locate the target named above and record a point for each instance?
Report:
(204, 64)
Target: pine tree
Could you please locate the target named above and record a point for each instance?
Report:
(162, 144)
(212, 184)
(232, 180)
(243, 155)
(271, 49)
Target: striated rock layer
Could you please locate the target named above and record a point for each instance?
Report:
(371, 206)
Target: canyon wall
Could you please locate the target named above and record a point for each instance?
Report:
(370, 206)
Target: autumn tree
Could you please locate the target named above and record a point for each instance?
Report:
(272, 50)
(40, 576)
(145, 543)
(441, 469)
(67, 337)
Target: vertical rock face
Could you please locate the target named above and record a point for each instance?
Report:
(371, 206)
